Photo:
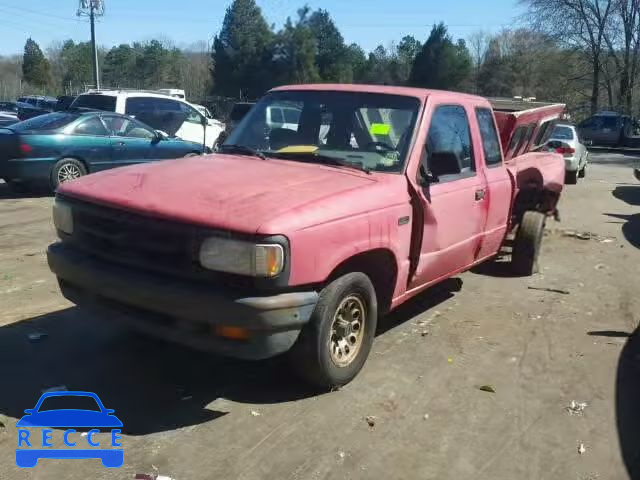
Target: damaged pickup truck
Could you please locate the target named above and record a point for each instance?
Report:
(297, 237)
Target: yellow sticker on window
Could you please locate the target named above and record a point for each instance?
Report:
(380, 129)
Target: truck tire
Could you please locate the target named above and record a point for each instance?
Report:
(66, 169)
(526, 246)
(333, 347)
(571, 178)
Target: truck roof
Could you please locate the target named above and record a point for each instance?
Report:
(421, 93)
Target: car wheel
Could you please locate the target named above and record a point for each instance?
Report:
(571, 178)
(333, 347)
(583, 172)
(66, 170)
(526, 246)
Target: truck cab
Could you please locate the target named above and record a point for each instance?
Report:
(296, 238)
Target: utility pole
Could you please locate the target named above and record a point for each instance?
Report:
(92, 9)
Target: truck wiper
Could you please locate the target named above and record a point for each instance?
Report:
(241, 150)
(315, 157)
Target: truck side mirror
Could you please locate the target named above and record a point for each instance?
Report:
(425, 177)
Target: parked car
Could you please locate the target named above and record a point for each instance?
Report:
(288, 241)
(7, 119)
(33, 106)
(64, 102)
(605, 129)
(54, 148)
(636, 173)
(566, 140)
(169, 114)
(8, 107)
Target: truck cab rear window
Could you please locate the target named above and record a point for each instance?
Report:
(490, 140)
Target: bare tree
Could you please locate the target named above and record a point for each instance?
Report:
(623, 42)
(582, 24)
(478, 43)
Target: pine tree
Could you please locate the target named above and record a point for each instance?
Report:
(441, 64)
(35, 67)
(243, 52)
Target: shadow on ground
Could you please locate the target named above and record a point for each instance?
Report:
(7, 192)
(614, 157)
(153, 386)
(631, 227)
(628, 404)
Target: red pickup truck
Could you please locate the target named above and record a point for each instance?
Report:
(302, 230)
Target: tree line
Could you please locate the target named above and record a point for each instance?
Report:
(585, 53)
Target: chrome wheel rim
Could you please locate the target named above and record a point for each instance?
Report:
(67, 172)
(347, 330)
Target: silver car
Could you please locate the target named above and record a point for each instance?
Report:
(566, 140)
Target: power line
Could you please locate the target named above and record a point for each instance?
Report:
(35, 12)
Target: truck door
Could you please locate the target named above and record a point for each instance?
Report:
(454, 201)
(499, 185)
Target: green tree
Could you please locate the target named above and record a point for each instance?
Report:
(441, 63)
(357, 59)
(120, 67)
(77, 63)
(332, 54)
(295, 52)
(243, 52)
(378, 67)
(35, 67)
(496, 77)
(158, 65)
(403, 58)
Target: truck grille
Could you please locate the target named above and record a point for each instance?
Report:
(146, 243)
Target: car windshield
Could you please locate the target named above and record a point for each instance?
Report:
(366, 130)
(51, 121)
(106, 103)
(562, 133)
(69, 402)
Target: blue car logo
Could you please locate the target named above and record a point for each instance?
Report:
(40, 416)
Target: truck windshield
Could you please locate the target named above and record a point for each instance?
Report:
(371, 131)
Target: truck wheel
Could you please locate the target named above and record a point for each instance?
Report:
(334, 345)
(526, 246)
(571, 178)
(65, 170)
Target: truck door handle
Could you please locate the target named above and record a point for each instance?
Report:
(480, 195)
(120, 144)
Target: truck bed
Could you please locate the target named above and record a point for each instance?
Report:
(524, 128)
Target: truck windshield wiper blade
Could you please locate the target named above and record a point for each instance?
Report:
(315, 157)
(241, 150)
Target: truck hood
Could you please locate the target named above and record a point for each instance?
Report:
(230, 192)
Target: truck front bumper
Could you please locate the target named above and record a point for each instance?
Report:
(180, 310)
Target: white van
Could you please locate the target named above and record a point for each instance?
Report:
(171, 115)
(173, 92)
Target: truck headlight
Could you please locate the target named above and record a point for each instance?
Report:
(63, 217)
(242, 258)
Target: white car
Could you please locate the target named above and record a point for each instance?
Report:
(171, 115)
(565, 139)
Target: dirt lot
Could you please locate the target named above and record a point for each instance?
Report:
(192, 416)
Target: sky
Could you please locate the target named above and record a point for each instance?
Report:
(366, 22)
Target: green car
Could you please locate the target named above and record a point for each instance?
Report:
(57, 147)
